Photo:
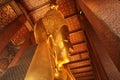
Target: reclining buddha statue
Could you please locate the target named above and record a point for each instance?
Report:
(52, 53)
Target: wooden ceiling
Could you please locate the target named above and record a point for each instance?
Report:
(38, 10)
(7, 15)
(10, 11)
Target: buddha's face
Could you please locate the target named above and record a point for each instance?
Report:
(53, 21)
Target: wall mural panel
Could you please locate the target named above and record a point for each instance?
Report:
(80, 37)
(73, 23)
(3, 1)
(67, 7)
(9, 52)
(79, 48)
(7, 56)
(20, 36)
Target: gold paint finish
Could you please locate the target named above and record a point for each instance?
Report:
(62, 45)
(53, 21)
(40, 32)
(52, 37)
(40, 67)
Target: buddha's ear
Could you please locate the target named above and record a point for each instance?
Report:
(40, 32)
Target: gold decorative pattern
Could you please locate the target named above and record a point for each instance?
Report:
(73, 23)
(80, 37)
(79, 57)
(80, 48)
(89, 68)
(67, 7)
(7, 15)
(79, 64)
